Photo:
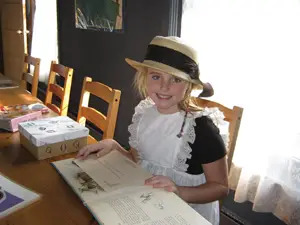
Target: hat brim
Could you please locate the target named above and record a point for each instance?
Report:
(140, 66)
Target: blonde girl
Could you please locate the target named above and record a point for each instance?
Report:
(172, 138)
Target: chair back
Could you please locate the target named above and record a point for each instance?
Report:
(63, 93)
(233, 116)
(106, 123)
(31, 77)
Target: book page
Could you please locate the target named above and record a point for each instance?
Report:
(81, 183)
(86, 189)
(14, 196)
(114, 171)
(145, 206)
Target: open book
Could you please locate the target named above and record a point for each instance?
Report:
(112, 188)
(14, 196)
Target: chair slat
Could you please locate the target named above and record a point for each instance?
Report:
(53, 107)
(100, 90)
(94, 116)
(60, 69)
(31, 60)
(59, 91)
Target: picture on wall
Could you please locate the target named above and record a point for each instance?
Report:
(104, 15)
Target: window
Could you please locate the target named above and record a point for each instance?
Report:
(250, 52)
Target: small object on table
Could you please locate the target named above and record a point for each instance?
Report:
(11, 116)
(38, 107)
(14, 196)
(53, 136)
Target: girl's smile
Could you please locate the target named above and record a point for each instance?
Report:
(163, 97)
(166, 90)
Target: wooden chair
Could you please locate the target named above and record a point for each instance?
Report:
(28, 77)
(63, 93)
(233, 116)
(112, 96)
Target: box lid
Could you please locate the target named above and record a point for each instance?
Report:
(52, 130)
(9, 112)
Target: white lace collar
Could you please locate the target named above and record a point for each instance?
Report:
(189, 131)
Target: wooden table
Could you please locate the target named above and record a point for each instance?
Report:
(59, 204)
(12, 96)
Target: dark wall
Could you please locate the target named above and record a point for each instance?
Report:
(101, 55)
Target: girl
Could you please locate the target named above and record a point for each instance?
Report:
(176, 141)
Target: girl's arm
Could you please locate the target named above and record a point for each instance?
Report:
(215, 188)
(103, 147)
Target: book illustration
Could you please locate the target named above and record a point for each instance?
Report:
(147, 197)
(88, 184)
(14, 197)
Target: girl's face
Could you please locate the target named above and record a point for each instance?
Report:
(165, 90)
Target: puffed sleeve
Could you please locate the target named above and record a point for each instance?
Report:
(138, 114)
(208, 145)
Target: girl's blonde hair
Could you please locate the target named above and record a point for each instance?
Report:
(187, 103)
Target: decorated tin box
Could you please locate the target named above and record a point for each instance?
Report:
(53, 136)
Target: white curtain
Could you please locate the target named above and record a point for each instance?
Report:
(249, 50)
(44, 38)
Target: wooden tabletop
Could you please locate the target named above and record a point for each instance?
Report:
(13, 96)
(59, 204)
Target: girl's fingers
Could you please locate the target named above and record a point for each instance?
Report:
(155, 180)
(85, 151)
(151, 180)
(161, 182)
(81, 152)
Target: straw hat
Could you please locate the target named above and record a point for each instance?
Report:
(170, 55)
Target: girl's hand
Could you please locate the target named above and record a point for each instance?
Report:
(162, 182)
(101, 148)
